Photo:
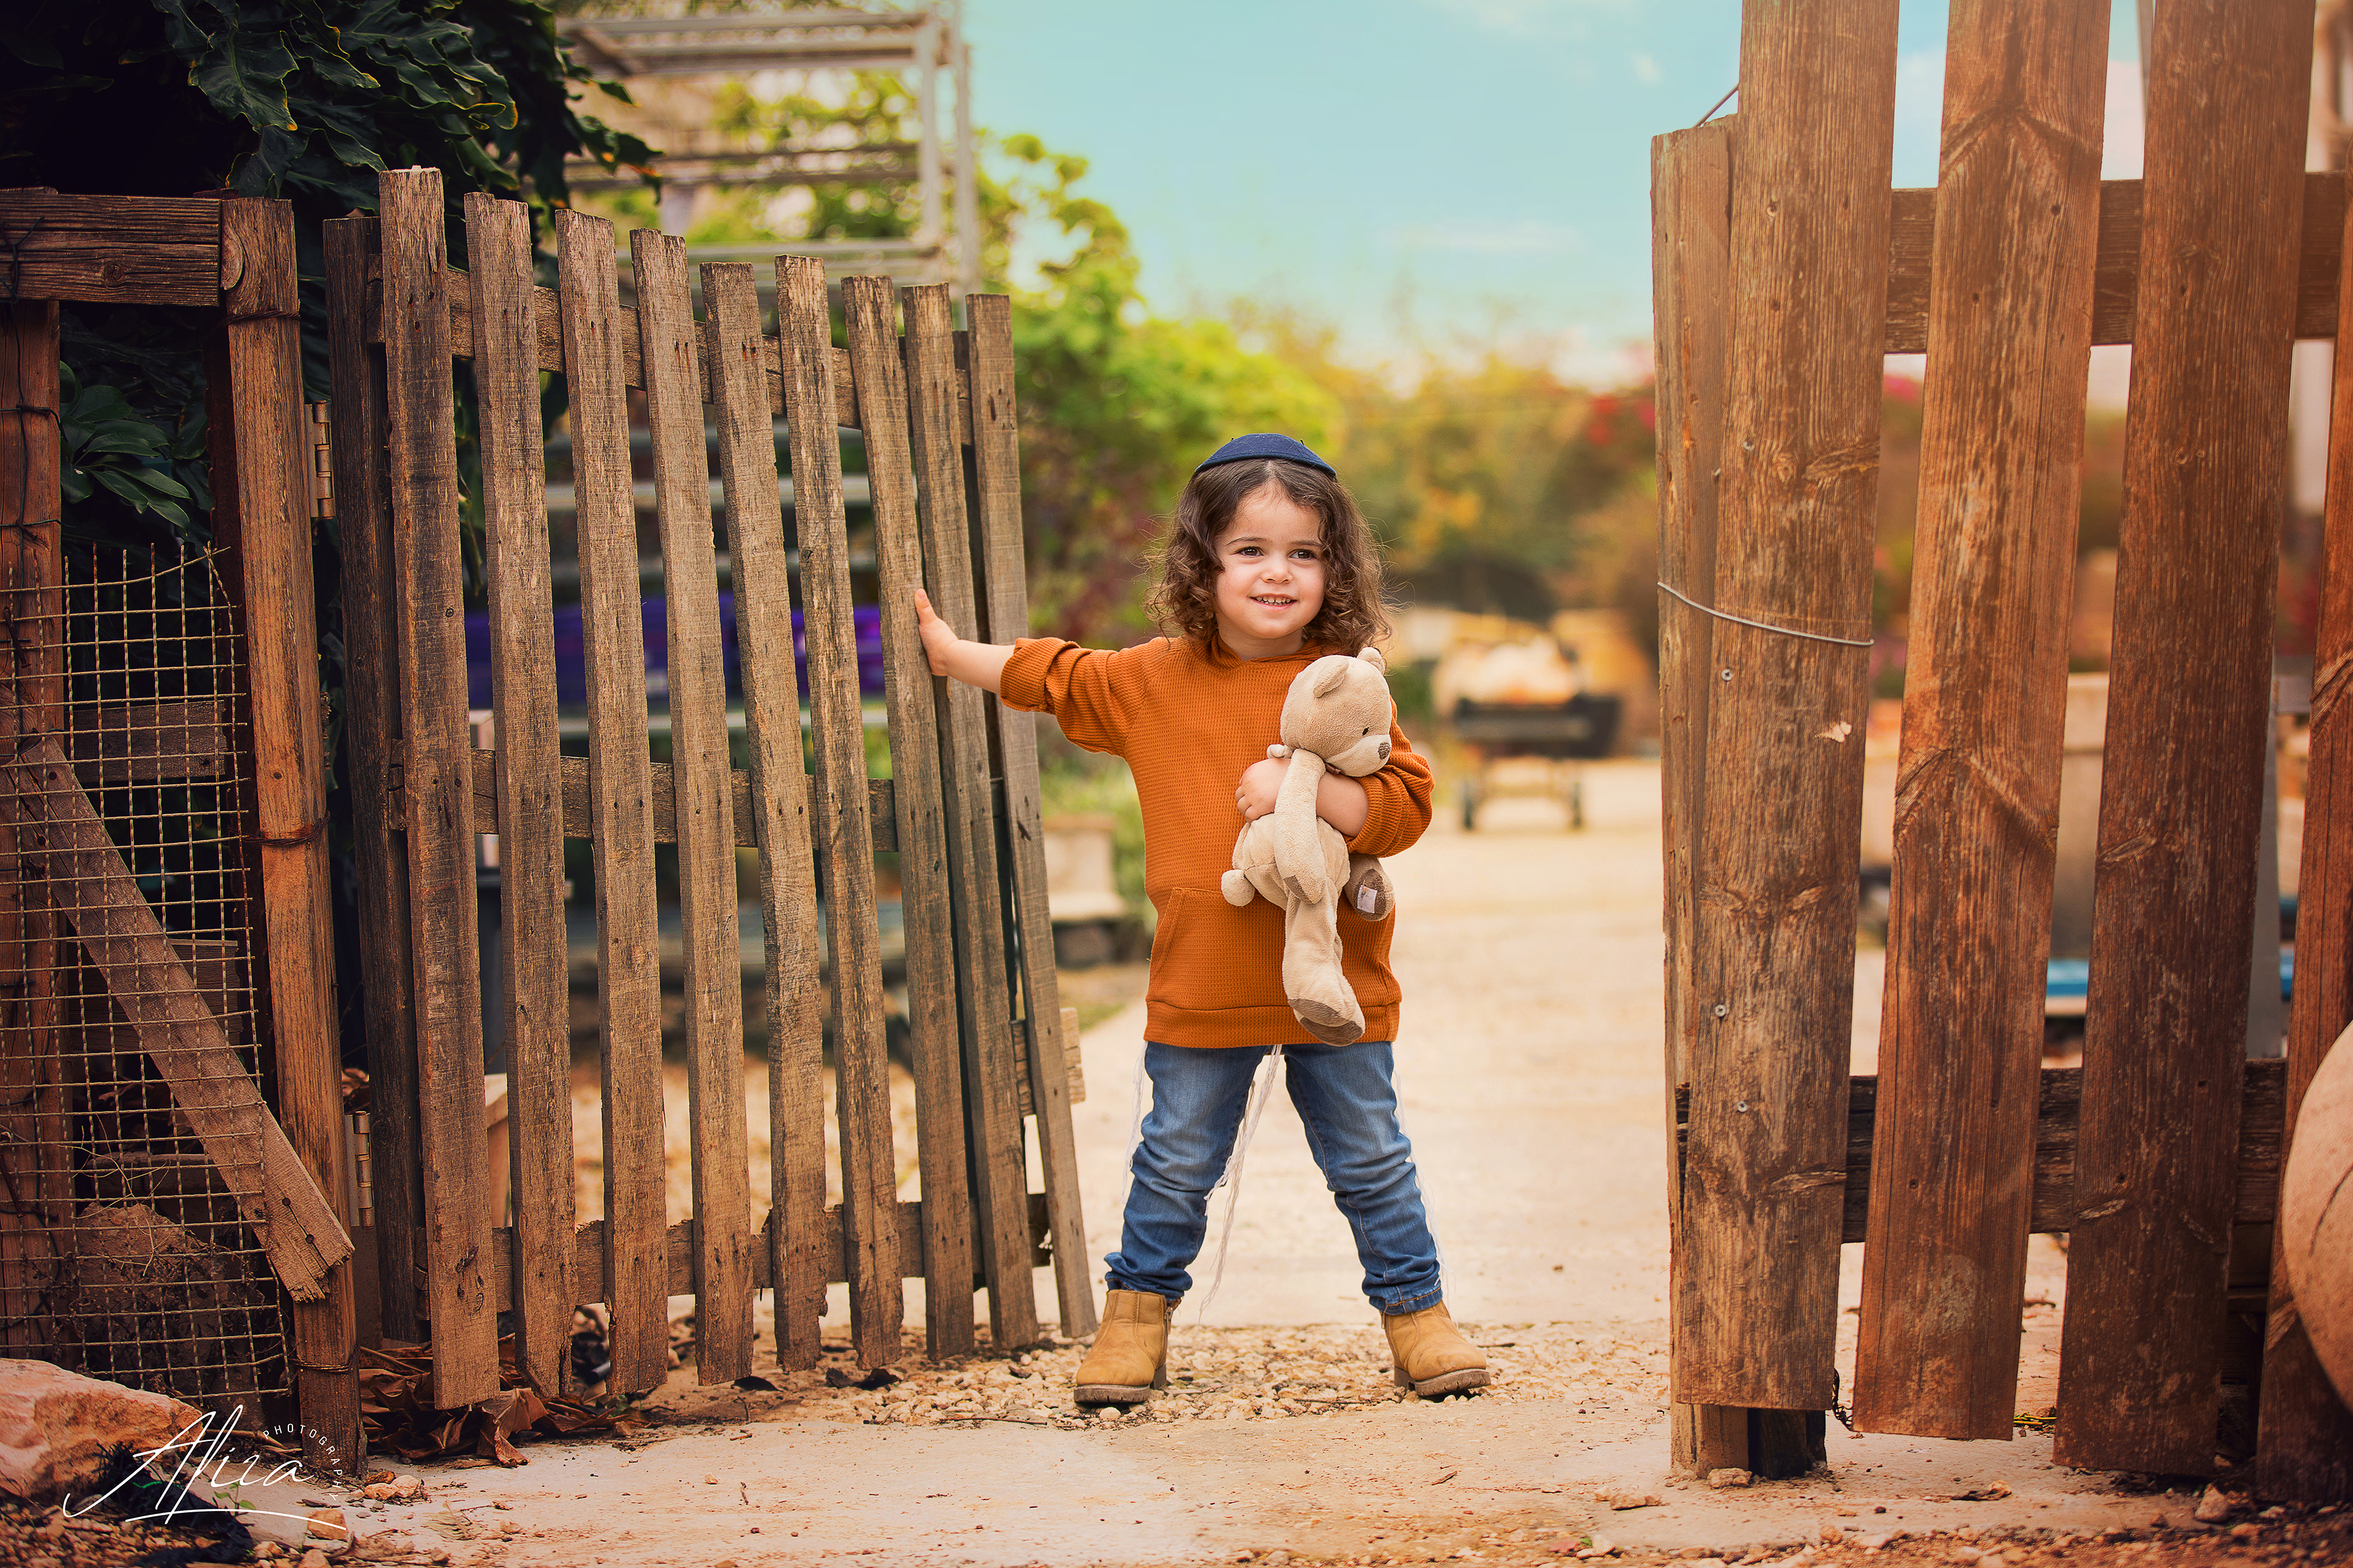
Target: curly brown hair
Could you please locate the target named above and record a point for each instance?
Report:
(1353, 615)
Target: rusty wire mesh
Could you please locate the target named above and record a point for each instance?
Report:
(121, 1251)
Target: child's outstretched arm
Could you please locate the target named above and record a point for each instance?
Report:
(980, 664)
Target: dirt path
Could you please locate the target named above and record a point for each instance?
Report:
(1530, 1072)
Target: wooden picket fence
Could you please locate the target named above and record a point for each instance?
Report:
(933, 408)
(1785, 270)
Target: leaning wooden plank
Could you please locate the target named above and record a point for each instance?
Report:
(291, 1218)
(1004, 604)
(924, 877)
(1691, 215)
(628, 977)
(359, 434)
(706, 827)
(1756, 1302)
(579, 820)
(2304, 1442)
(35, 1131)
(1977, 785)
(153, 741)
(536, 1022)
(429, 622)
(983, 983)
(844, 845)
(779, 796)
(1074, 1070)
(264, 519)
(2181, 804)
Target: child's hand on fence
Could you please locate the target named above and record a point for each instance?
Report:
(937, 635)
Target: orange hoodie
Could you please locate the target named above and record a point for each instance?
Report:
(1189, 722)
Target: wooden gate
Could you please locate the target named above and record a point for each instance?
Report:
(1785, 270)
(933, 410)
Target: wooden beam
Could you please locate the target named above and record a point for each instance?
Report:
(1691, 215)
(132, 251)
(2180, 806)
(1756, 1298)
(579, 821)
(273, 1189)
(2058, 1101)
(679, 1242)
(2304, 1442)
(1985, 695)
(152, 742)
(268, 531)
(2115, 278)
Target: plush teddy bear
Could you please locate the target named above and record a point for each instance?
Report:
(1336, 717)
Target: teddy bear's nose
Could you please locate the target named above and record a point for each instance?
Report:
(1385, 750)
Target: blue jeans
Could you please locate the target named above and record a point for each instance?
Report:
(1347, 1105)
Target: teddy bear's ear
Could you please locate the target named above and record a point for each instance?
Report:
(1329, 681)
(1372, 656)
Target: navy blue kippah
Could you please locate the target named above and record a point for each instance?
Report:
(1242, 448)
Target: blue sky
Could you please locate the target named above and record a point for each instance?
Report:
(1424, 175)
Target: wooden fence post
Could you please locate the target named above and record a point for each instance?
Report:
(33, 599)
(270, 526)
(2009, 329)
(1755, 1290)
(2188, 715)
(2303, 1443)
(1691, 215)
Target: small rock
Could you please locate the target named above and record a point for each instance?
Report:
(1878, 1540)
(1622, 1500)
(328, 1524)
(2214, 1507)
(1719, 1480)
(56, 1426)
(2247, 1532)
(314, 1558)
(1829, 1535)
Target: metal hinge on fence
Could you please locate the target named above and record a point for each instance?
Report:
(323, 476)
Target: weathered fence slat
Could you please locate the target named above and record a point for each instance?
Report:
(1756, 1296)
(430, 627)
(1691, 215)
(845, 847)
(359, 436)
(2304, 1442)
(535, 1020)
(924, 877)
(2180, 800)
(1978, 791)
(628, 979)
(706, 827)
(763, 638)
(983, 982)
(1005, 596)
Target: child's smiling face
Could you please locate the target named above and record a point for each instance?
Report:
(1270, 564)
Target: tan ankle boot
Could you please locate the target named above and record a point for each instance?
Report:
(1431, 1355)
(1130, 1356)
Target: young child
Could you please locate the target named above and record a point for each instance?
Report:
(1267, 565)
